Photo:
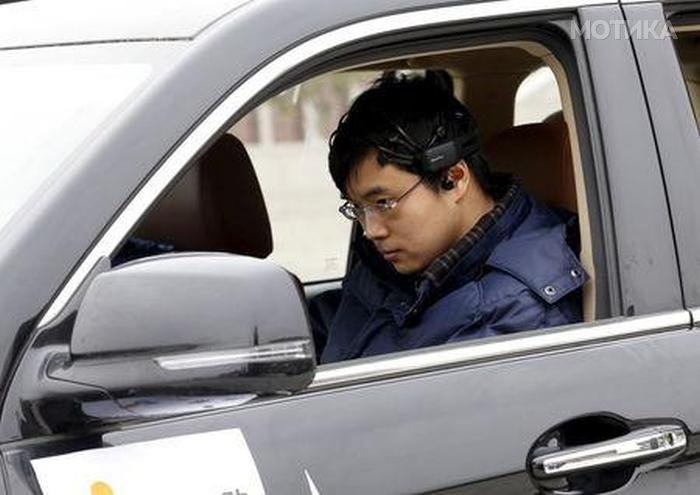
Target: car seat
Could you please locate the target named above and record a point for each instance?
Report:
(217, 205)
(539, 155)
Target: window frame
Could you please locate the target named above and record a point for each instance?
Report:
(342, 45)
(676, 131)
(486, 33)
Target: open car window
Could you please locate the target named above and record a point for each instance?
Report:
(264, 188)
(687, 42)
(287, 139)
(537, 98)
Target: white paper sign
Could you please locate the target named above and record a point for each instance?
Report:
(214, 463)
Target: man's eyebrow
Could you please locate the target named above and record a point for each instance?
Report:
(374, 191)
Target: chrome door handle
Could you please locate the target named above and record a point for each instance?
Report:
(656, 444)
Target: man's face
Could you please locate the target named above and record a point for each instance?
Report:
(422, 226)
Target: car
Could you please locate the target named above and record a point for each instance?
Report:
(166, 218)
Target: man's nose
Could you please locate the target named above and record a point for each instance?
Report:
(374, 226)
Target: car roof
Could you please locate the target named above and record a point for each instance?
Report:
(32, 23)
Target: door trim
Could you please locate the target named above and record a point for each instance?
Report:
(695, 317)
(498, 348)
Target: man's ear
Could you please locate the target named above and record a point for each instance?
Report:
(459, 176)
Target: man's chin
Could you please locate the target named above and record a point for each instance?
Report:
(404, 268)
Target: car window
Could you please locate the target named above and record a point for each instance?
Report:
(537, 97)
(539, 155)
(264, 188)
(42, 123)
(687, 42)
(287, 140)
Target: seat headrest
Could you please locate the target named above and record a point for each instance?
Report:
(216, 206)
(540, 156)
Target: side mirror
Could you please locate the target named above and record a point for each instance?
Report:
(188, 324)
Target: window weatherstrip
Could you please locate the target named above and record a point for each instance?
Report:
(460, 354)
(261, 79)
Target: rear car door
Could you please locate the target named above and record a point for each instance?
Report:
(469, 418)
(669, 69)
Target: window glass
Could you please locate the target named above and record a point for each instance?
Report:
(287, 140)
(537, 97)
(688, 47)
(48, 110)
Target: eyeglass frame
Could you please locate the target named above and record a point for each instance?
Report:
(357, 213)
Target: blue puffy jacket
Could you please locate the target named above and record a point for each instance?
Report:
(520, 276)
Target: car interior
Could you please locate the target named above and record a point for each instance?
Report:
(688, 49)
(219, 203)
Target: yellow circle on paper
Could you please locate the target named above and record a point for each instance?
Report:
(100, 488)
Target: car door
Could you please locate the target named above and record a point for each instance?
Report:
(465, 418)
(667, 64)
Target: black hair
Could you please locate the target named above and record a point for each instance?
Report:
(399, 117)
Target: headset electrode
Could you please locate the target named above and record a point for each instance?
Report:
(433, 157)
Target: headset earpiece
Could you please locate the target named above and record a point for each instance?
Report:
(447, 184)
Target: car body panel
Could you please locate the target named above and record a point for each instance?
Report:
(677, 137)
(469, 426)
(633, 173)
(449, 428)
(104, 175)
(104, 22)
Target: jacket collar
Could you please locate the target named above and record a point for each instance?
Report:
(513, 244)
(471, 263)
(528, 242)
(538, 255)
(441, 267)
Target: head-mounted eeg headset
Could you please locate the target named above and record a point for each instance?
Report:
(434, 156)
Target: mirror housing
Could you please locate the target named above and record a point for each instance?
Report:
(193, 324)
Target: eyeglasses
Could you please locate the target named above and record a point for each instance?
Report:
(382, 207)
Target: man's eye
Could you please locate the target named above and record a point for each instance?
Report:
(384, 203)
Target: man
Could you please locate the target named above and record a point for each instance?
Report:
(450, 251)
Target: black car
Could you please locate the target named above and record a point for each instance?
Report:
(166, 213)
